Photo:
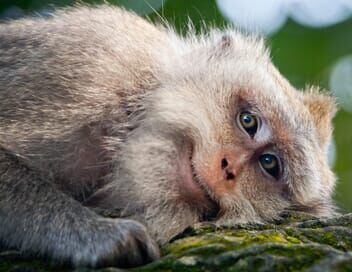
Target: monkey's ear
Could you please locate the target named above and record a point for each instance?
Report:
(322, 108)
(226, 41)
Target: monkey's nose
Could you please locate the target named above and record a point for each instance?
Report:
(224, 169)
(228, 171)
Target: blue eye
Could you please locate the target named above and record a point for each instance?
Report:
(270, 164)
(249, 123)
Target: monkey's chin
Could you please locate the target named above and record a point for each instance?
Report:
(193, 191)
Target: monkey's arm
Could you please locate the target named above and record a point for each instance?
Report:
(36, 217)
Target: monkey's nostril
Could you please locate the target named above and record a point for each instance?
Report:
(224, 163)
(226, 169)
(229, 176)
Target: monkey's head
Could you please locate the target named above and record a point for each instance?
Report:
(226, 135)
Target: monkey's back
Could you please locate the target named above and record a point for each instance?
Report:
(71, 76)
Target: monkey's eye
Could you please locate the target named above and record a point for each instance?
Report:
(249, 123)
(270, 164)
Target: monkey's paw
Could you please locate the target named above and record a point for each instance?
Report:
(120, 243)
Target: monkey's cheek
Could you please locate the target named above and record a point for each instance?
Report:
(189, 189)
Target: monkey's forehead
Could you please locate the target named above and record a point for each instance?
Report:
(255, 80)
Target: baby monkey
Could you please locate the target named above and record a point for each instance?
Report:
(102, 110)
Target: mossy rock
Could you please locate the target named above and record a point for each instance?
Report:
(296, 243)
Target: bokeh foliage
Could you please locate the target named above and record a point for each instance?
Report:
(304, 55)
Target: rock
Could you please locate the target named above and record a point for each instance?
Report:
(294, 243)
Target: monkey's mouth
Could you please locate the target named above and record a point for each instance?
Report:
(195, 192)
(212, 210)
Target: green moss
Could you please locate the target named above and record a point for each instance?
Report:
(292, 217)
(181, 246)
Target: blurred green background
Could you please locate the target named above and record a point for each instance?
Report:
(305, 55)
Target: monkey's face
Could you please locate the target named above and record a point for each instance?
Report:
(226, 138)
(250, 146)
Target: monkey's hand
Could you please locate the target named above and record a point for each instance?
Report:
(117, 242)
(39, 219)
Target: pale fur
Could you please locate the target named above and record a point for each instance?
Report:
(98, 106)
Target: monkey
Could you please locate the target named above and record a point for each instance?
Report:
(102, 110)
